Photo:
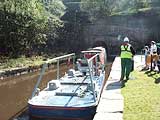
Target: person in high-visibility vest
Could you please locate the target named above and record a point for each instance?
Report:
(127, 53)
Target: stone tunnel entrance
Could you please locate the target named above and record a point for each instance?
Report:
(103, 44)
(100, 43)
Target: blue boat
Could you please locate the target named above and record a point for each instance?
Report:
(75, 95)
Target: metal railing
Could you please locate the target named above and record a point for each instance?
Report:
(57, 59)
(91, 71)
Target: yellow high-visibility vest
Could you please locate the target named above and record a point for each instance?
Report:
(126, 51)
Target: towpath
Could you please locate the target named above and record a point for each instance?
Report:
(112, 102)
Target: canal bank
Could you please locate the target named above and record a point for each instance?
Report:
(111, 105)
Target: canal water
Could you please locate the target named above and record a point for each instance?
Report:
(16, 90)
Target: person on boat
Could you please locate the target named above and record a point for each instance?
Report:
(127, 53)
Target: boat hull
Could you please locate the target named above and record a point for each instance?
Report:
(65, 113)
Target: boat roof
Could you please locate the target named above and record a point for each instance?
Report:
(91, 51)
(98, 48)
(94, 50)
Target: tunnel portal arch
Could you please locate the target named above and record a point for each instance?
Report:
(102, 44)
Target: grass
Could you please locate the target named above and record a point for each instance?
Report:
(21, 62)
(142, 97)
(7, 63)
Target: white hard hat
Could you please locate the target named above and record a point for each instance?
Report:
(146, 46)
(153, 42)
(126, 39)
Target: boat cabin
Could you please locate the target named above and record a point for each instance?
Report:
(99, 61)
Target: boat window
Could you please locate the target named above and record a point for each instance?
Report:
(53, 86)
(71, 72)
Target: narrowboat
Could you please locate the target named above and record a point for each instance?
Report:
(75, 95)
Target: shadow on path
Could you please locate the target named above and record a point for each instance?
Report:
(114, 85)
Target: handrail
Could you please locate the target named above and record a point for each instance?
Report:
(90, 59)
(61, 57)
(39, 79)
(91, 73)
(44, 68)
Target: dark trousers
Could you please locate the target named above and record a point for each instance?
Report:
(126, 67)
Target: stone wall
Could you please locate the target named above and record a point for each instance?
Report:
(140, 28)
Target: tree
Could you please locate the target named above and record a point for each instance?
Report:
(100, 8)
(26, 23)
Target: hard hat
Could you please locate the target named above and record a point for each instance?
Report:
(126, 39)
(153, 42)
(146, 46)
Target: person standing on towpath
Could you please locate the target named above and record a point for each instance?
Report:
(127, 53)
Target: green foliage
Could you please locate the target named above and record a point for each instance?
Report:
(55, 7)
(100, 8)
(95, 8)
(25, 24)
(131, 6)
